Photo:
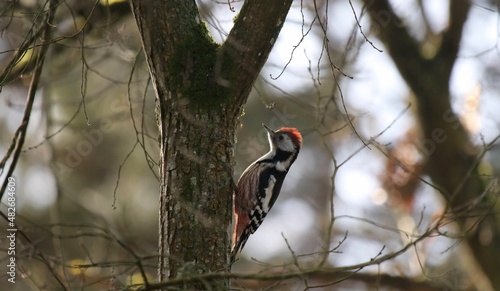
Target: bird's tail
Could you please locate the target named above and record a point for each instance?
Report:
(239, 244)
(241, 231)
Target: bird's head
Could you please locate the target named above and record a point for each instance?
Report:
(287, 139)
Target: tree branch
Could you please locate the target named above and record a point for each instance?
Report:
(403, 48)
(20, 134)
(249, 43)
(459, 9)
(282, 275)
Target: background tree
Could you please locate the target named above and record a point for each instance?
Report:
(395, 188)
(452, 161)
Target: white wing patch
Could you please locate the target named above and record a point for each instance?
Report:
(269, 193)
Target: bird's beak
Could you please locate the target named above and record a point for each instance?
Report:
(268, 129)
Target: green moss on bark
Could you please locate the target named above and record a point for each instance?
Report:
(192, 73)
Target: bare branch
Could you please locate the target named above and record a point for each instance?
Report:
(21, 131)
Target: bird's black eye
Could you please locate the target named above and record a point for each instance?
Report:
(281, 137)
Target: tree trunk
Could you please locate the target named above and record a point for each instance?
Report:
(201, 88)
(451, 157)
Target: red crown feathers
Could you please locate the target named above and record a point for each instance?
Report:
(294, 135)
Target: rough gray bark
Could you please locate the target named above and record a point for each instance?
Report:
(201, 88)
(452, 159)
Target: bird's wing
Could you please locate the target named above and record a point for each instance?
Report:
(248, 186)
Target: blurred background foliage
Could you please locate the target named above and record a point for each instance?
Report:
(87, 186)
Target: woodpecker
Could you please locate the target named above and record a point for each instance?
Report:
(260, 184)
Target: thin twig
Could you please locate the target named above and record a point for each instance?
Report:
(20, 134)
